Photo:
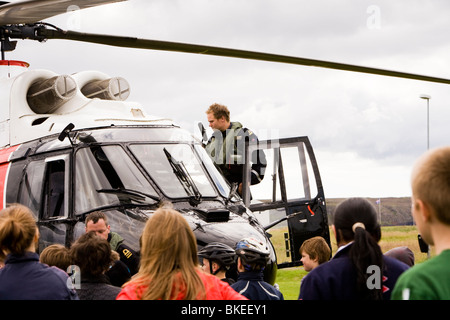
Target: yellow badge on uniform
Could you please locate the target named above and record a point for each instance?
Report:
(127, 253)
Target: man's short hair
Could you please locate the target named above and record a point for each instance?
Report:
(95, 216)
(219, 111)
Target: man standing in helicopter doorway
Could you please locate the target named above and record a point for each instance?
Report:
(226, 147)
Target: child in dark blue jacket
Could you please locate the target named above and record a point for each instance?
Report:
(252, 258)
(358, 270)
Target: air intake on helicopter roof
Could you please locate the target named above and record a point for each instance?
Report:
(116, 88)
(45, 96)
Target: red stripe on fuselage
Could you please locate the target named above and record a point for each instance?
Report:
(4, 165)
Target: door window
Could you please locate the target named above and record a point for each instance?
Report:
(289, 201)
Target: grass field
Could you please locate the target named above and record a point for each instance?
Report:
(289, 278)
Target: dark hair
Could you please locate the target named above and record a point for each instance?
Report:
(95, 216)
(355, 219)
(92, 254)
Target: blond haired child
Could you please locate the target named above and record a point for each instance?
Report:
(430, 183)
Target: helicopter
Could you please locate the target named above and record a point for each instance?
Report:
(72, 144)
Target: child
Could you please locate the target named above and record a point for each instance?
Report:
(430, 183)
(23, 277)
(218, 259)
(314, 252)
(252, 258)
(56, 255)
(169, 264)
(93, 255)
(358, 270)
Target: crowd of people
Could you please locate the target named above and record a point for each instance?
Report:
(169, 266)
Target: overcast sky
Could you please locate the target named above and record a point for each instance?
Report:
(366, 130)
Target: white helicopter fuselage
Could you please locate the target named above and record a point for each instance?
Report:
(20, 122)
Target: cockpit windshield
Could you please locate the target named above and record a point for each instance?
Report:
(106, 176)
(175, 169)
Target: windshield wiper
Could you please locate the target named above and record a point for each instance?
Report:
(185, 178)
(233, 192)
(135, 194)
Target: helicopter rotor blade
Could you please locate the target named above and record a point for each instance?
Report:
(131, 42)
(31, 11)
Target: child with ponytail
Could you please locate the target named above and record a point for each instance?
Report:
(358, 270)
(23, 277)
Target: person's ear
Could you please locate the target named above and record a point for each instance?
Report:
(422, 210)
(36, 236)
(240, 267)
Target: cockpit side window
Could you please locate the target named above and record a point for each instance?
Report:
(44, 187)
(55, 190)
(30, 193)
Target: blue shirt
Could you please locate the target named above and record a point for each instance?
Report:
(253, 286)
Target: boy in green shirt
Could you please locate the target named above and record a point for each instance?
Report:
(430, 182)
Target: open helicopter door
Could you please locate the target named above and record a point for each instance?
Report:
(290, 196)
